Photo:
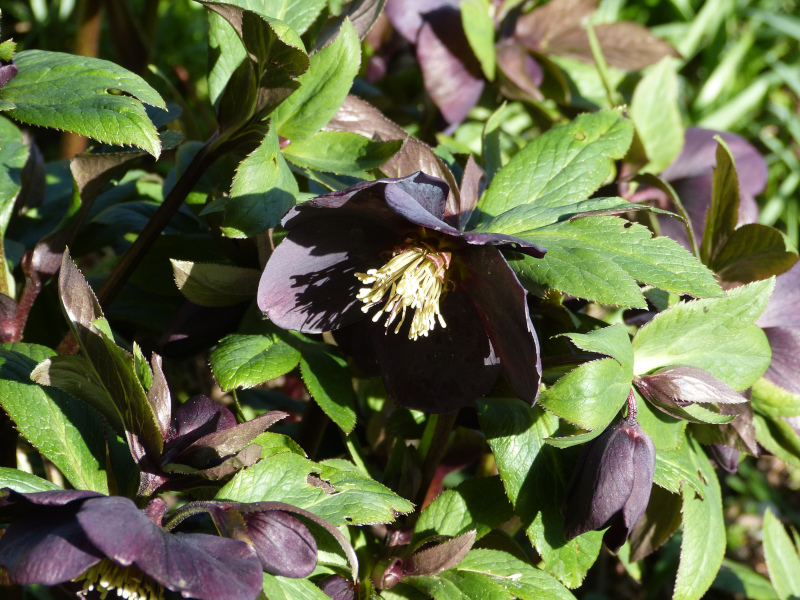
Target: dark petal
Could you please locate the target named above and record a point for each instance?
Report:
(782, 308)
(214, 447)
(601, 484)
(8, 70)
(502, 303)
(725, 457)
(46, 546)
(406, 15)
(427, 191)
(49, 498)
(283, 544)
(784, 370)
(355, 342)
(505, 242)
(309, 283)
(199, 566)
(451, 73)
(447, 369)
(197, 417)
(644, 467)
(194, 328)
(339, 588)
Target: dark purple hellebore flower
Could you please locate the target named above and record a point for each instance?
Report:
(8, 70)
(781, 323)
(109, 544)
(611, 484)
(691, 173)
(370, 256)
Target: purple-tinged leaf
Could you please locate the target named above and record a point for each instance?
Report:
(724, 212)
(197, 417)
(537, 28)
(688, 384)
(361, 13)
(521, 70)
(739, 434)
(472, 183)
(406, 16)
(8, 70)
(440, 557)
(452, 74)
(753, 252)
(159, 397)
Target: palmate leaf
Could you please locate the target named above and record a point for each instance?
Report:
(79, 94)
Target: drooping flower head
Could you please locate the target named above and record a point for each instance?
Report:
(107, 543)
(440, 309)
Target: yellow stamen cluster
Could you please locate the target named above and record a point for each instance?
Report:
(414, 278)
(127, 582)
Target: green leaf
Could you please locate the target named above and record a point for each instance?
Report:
(656, 115)
(591, 395)
(724, 212)
(778, 437)
(774, 401)
(323, 87)
(334, 490)
(736, 578)
(64, 430)
(13, 155)
(703, 545)
(518, 577)
(565, 165)
(753, 252)
(288, 588)
(674, 468)
(478, 504)
(340, 152)
(276, 443)
(783, 562)
(534, 477)
(601, 258)
(112, 367)
(78, 94)
(263, 190)
(242, 361)
(329, 382)
(612, 341)
(215, 285)
(479, 28)
(665, 431)
(23, 482)
(715, 334)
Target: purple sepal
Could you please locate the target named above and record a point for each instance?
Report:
(8, 70)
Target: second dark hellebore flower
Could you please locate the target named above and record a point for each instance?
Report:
(611, 484)
(109, 544)
(440, 309)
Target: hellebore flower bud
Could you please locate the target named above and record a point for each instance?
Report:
(611, 484)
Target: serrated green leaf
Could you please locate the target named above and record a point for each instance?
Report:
(612, 341)
(64, 430)
(479, 28)
(778, 437)
(23, 482)
(714, 334)
(535, 479)
(263, 190)
(340, 152)
(457, 585)
(13, 155)
(521, 579)
(665, 431)
(242, 361)
(591, 395)
(209, 284)
(334, 490)
(323, 87)
(782, 559)
(569, 441)
(565, 165)
(7, 49)
(753, 252)
(771, 400)
(656, 115)
(703, 544)
(478, 504)
(599, 258)
(329, 382)
(73, 93)
(674, 468)
(288, 588)
(276, 443)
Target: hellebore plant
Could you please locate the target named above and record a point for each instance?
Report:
(106, 543)
(611, 485)
(440, 308)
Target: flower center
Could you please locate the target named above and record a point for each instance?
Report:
(127, 582)
(414, 278)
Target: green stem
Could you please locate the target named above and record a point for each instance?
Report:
(312, 428)
(432, 447)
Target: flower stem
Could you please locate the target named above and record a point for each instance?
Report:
(431, 448)
(312, 428)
